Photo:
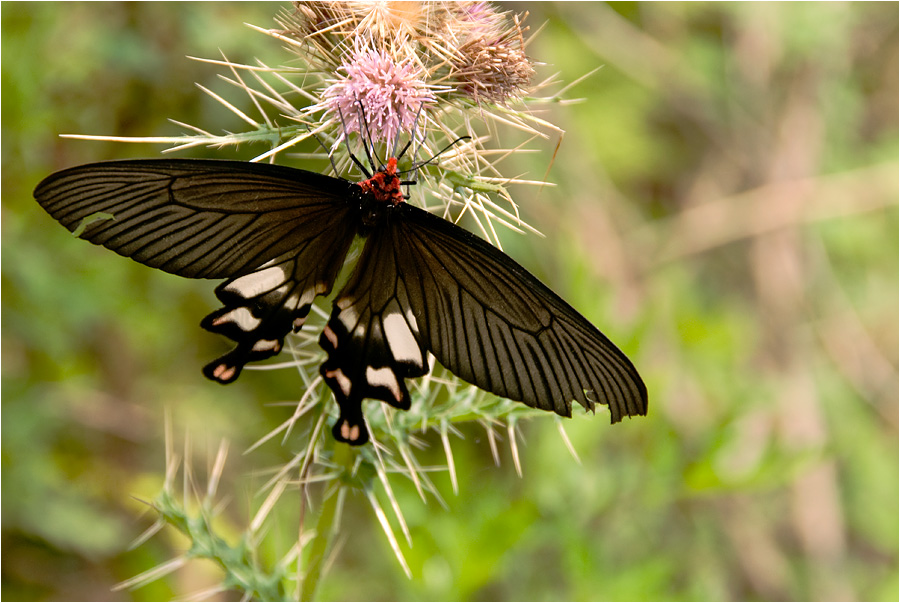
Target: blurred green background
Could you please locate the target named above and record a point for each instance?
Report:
(726, 211)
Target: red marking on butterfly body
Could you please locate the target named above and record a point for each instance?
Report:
(385, 185)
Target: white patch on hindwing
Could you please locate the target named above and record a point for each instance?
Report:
(255, 283)
(242, 317)
(411, 320)
(304, 299)
(349, 318)
(401, 340)
(264, 345)
(384, 377)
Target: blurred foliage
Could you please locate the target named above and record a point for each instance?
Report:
(726, 211)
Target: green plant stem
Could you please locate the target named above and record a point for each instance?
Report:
(241, 571)
(342, 457)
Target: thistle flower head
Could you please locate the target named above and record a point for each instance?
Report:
(490, 62)
(469, 49)
(387, 94)
(494, 72)
(397, 19)
(325, 29)
(307, 24)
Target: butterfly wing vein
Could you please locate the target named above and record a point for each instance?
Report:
(492, 323)
(200, 218)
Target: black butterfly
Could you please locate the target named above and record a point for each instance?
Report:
(422, 284)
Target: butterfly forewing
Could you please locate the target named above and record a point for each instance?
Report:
(492, 323)
(195, 218)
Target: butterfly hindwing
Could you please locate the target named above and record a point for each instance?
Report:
(263, 306)
(372, 339)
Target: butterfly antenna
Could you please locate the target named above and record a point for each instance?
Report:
(358, 163)
(403, 150)
(406, 183)
(327, 152)
(415, 127)
(368, 137)
(436, 155)
(412, 138)
(394, 147)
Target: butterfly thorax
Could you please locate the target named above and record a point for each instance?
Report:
(384, 186)
(380, 193)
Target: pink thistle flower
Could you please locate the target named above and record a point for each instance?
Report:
(391, 94)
